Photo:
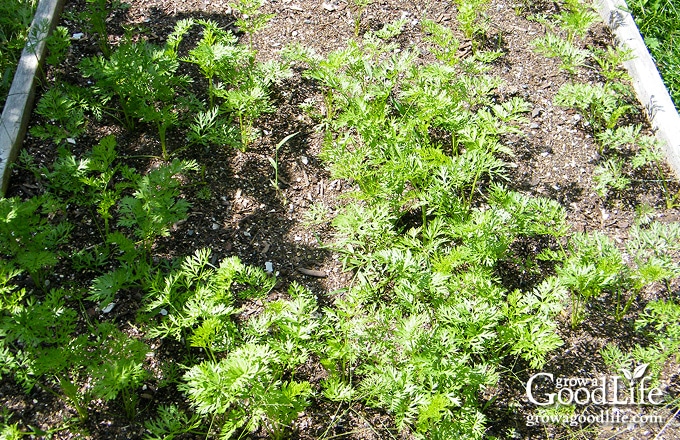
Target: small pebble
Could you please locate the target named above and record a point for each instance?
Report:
(77, 36)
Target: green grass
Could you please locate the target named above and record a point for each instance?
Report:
(15, 19)
(659, 23)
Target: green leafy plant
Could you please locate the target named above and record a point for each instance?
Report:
(317, 214)
(10, 432)
(242, 385)
(650, 155)
(553, 46)
(123, 371)
(657, 323)
(602, 106)
(609, 176)
(234, 76)
(148, 213)
(31, 236)
(360, 6)
(245, 391)
(534, 338)
(64, 111)
(594, 267)
(154, 206)
(651, 247)
(247, 104)
(200, 301)
(251, 19)
(87, 181)
(171, 422)
(94, 19)
(614, 358)
(428, 224)
(611, 62)
(444, 43)
(473, 20)
(209, 128)
(217, 53)
(660, 320)
(58, 45)
(41, 339)
(615, 173)
(391, 30)
(619, 137)
(143, 79)
(576, 18)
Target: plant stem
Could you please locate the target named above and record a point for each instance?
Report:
(162, 128)
(72, 397)
(211, 97)
(472, 190)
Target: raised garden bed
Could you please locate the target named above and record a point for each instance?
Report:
(22, 72)
(659, 24)
(382, 231)
(14, 24)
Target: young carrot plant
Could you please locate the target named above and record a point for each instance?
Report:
(554, 46)
(64, 112)
(603, 106)
(93, 18)
(251, 19)
(200, 301)
(30, 236)
(233, 76)
(360, 6)
(424, 235)
(142, 78)
(147, 214)
(246, 382)
(594, 267)
(473, 20)
(576, 18)
(44, 349)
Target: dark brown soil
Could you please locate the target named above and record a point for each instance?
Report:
(237, 211)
